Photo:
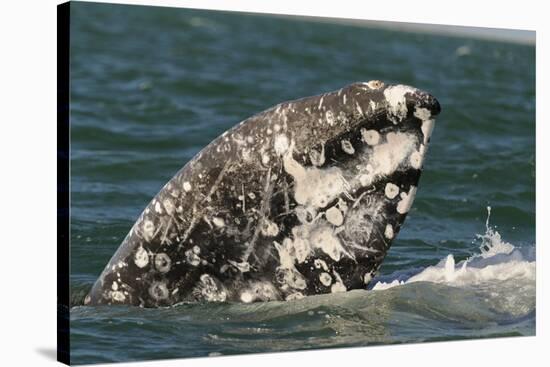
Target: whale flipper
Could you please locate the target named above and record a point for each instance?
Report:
(301, 199)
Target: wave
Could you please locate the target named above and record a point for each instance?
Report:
(497, 260)
(490, 294)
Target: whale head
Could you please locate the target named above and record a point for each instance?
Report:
(303, 198)
(354, 169)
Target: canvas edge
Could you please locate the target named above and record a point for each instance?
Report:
(63, 183)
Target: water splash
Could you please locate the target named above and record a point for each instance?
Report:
(497, 260)
(491, 241)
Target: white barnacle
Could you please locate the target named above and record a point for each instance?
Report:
(375, 84)
(391, 190)
(406, 200)
(158, 291)
(365, 180)
(247, 297)
(325, 279)
(371, 137)
(158, 208)
(118, 296)
(320, 264)
(334, 216)
(218, 222)
(269, 228)
(388, 232)
(192, 256)
(281, 144)
(347, 147)
(162, 262)
(209, 289)
(141, 257)
(187, 186)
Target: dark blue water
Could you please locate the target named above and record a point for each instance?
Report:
(151, 86)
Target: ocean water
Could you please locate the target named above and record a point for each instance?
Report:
(151, 86)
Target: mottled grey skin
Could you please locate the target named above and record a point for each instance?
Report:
(301, 199)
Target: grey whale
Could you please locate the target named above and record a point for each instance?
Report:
(303, 198)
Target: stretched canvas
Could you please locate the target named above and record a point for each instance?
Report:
(234, 183)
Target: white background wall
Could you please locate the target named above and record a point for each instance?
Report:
(28, 182)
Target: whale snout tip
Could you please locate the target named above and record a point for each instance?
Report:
(425, 100)
(433, 105)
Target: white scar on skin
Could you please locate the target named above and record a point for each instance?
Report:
(289, 276)
(416, 159)
(427, 128)
(338, 286)
(427, 123)
(325, 239)
(385, 158)
(422, 113)
(317, 158)
(314, 187)
(397, 105)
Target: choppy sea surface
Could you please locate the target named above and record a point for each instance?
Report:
(151, 86)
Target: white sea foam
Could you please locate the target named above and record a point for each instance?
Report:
(498, 260)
